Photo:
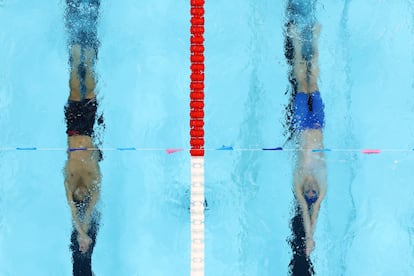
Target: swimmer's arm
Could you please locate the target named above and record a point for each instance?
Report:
(304, 209)
(72, 206)
(88, 213)
(307, 224)
(317, 206)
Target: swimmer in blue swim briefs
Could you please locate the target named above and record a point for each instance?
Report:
(308, 122)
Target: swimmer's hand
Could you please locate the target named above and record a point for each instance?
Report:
(310, 245)
(84, 241)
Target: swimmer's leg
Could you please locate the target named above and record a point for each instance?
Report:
(313, 66)
(90, 81)
(299, 64)
(74, 81)
(307, 47)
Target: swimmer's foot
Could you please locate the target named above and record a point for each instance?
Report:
(293, 32)
(316, 30)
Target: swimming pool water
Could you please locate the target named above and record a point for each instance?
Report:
(366, 61)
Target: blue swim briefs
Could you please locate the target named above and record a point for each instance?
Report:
(308, 111)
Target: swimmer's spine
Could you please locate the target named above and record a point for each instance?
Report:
(197, 136)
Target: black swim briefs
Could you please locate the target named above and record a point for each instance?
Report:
(80, 117)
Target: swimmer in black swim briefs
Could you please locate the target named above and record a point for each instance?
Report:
(82, 173)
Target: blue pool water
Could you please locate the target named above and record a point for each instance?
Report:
(367, 63)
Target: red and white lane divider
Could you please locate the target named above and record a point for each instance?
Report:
(197, 136)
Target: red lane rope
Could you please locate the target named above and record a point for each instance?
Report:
(197, 78)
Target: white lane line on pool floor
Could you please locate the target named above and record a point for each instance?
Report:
(197, 216)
